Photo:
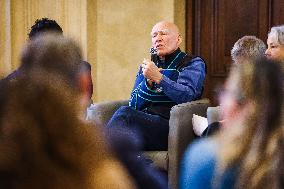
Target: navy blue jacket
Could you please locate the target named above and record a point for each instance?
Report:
(178, 85)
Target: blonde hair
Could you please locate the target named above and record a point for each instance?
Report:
(256, 148)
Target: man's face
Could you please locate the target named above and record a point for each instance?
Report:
(275, 50)
(165, 38)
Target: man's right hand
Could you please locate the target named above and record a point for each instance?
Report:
(150, 83)
(151, 71)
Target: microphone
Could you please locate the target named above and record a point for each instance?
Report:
(153, 50)
(154, 57)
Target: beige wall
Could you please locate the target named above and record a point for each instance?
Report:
(5, 38)
(19, 15)
(114, 35)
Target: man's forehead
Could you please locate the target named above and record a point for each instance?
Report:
(164, 26)
(160, 30)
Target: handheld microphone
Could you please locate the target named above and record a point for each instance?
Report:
(154, 57)
(153, 50)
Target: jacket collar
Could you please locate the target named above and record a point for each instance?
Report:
(170, 57)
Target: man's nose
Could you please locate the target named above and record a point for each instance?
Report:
(159, 37)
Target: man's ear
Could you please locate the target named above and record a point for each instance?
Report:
(86, 84)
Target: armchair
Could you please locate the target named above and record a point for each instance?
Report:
(180, 132)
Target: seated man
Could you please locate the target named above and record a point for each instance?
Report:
(171, 77)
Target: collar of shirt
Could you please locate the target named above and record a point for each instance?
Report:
(164, 63)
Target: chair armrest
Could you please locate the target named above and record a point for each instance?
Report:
(181, 133)
(102, 112)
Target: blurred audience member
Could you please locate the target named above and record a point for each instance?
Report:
(40, 26)
(45, 143)
(247, 49)
(58, 55)
(249, 150)
(44, 26)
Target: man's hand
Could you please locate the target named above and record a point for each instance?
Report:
(150, 83)
(151, 71)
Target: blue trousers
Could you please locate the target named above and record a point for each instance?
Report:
(153, 129)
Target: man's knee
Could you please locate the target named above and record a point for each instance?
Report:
(120, 117)
(124, 110)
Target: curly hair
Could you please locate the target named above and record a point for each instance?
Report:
(248, 47)
(43, 25)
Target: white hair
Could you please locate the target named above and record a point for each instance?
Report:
(248, 47)
(278, 31)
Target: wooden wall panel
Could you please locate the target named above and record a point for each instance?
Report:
(218, 24)
(277, 12)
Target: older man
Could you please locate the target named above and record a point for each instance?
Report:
(171, 77)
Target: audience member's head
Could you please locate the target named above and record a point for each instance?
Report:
(275, 43)
(247, 48)
(47, 27)
(252, 137)
(61, 55)
(44, 25)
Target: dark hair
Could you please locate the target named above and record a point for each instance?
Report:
(43, 25)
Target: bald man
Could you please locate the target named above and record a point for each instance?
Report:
(171, 77)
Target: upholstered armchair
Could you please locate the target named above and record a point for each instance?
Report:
(180, 132)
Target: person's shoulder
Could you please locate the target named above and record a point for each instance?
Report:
(190, 62)
(202, 150)
(193, 59)
(199, 164)
(13, 76)
(198, 60)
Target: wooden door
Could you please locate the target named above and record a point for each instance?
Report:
(213, 26)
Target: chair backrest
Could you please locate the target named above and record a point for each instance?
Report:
(181, 134)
